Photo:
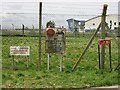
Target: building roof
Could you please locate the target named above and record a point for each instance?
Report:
(76, 20)
(100, 16)
(92, 18)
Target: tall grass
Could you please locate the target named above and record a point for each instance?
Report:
(86, 74)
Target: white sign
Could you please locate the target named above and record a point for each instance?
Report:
(20, 50)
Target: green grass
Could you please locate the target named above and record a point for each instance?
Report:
(85, 75)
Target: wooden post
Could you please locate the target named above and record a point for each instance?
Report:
(86, 48)
(103, 32)
(40, 23)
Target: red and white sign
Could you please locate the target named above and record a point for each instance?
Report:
(104, 42)
(20, 50)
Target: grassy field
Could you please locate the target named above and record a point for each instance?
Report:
(86, 74)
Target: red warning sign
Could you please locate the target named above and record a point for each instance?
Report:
(104, 42)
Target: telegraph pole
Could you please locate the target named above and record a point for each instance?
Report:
(103, 32)
(40, 23)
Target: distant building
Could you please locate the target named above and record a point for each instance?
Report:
(112, 20)
(75, 25)
(91, 24)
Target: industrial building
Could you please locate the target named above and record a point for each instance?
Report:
(90, 24)
(75, 25)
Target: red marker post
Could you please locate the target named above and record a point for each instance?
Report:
(104, 42)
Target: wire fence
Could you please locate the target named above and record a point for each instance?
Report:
(15, 15)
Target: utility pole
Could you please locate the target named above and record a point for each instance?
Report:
(103, 33)
(40, 23)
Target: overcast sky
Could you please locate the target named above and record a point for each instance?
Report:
(26, 11)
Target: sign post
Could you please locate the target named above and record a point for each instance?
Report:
(12, 61)
(61, 62)
(55, 43)
(104, 42)
(27, 60)
(48, 61)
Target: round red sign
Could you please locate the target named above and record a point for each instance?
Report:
(50, 32)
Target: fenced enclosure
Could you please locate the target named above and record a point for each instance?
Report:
(78, 35)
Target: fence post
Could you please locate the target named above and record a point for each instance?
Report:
(103, 19)
(40, 23)
(23, 28)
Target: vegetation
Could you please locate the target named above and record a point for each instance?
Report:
(86, 74)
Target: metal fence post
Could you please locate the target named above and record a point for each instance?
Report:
(99, 55)
(12, 62)
(61, 62)
(110, 57)
(48, 61)
(40, 23)
(27, 59)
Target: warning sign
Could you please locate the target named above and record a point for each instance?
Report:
(55, 40)
(20, 50)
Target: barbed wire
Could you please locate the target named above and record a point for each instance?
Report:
(58, 12)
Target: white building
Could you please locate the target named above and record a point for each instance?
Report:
(113, 20)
